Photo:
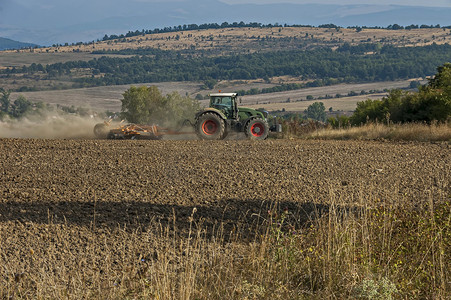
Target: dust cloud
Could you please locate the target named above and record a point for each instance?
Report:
(51, 126)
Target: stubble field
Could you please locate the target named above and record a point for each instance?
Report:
(196, 219)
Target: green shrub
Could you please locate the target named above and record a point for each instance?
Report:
(368, 110)
(339, 122)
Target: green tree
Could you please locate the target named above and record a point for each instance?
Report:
(316, 111)
(179, 108)
(147, 105)
(142, 104)
(442, 80)
(368, 110)
(4, 100)
(20, 107)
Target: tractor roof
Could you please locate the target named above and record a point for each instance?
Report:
(223, 95)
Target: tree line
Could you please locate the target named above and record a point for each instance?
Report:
(321, 66)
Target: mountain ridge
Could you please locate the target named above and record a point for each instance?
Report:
(8, 44)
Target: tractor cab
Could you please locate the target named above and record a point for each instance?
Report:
(225, 102)
(223, 116)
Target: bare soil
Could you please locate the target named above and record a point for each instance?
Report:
(136, 182)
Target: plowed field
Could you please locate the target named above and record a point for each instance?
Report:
(67, 195)
(132, 181)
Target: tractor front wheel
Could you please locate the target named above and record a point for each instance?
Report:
(210, 126)
(256, 129)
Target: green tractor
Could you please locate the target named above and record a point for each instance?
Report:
(223, 115)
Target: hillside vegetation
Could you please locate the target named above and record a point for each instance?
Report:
(318, 67)
(232, 40)
(231, 53)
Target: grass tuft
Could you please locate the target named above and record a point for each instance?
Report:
(396, 132)
(380, 249)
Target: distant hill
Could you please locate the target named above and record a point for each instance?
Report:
(248, 39)
(8, 44)
(85, 20)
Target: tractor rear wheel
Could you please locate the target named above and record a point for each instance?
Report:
(210, 126)
(256, 129)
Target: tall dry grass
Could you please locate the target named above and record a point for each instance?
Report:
(397, 132)
(376, 248)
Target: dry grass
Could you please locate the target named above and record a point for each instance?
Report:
(396, 132)
(379, 249)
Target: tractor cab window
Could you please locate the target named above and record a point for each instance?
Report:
(225, 104)
(222, 101)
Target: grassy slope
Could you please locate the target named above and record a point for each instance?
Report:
(243, 40)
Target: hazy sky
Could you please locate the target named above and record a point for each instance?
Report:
(437, 3)
(440, 3)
